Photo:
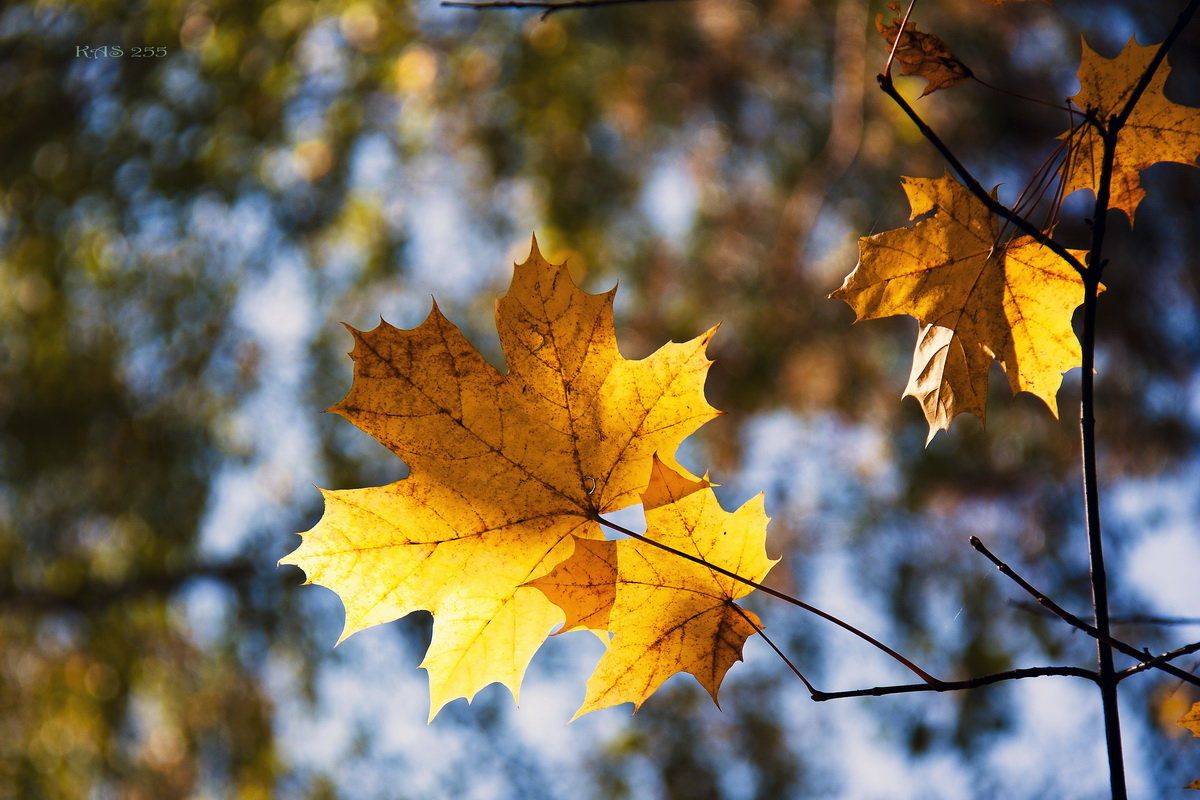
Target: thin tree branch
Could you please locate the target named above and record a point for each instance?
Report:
(1091, 480)
(922, 674)
(887, 66)
(1074, 621)
(908, 688)
(969, 180)
(1019, 96)
(811, 689)
(1109, 132)
(1157, 660)
(954, 686)
(1134, 619)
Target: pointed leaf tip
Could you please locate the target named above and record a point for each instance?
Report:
(534, 250)
(667, 486)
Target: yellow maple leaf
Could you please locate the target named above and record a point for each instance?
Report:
(1191, 721)
(1157, 130)
(666, 614)
(504, 470)
(1009, 301)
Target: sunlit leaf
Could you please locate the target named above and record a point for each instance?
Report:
(505, 470)
(1157, 129)
(1010, 301)
(666, 614)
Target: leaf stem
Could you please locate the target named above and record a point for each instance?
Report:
(1020, 96)
(970, 181)
(887, 66)
(1034, 191)
(920, 673)
(812, 690)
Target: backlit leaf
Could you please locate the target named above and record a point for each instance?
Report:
(666, 614)
(922, 54)
(1010, 301)
(507, 470)
(1157, 130)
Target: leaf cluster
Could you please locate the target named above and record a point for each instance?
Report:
(494, 510)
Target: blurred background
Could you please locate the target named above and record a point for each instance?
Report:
(181, 234)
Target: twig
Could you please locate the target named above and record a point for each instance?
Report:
(1109, 132)
(811, 689)
(1071, 619)
(954, 686)
(969, 180)
(1154, 662)
(1020, 96)
(887, 66)
(1107, 680)
(908, 688)
(1133, 619)
(922, 674)
(1042, 599)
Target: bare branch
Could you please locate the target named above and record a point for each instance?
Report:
(1071, 619)
(973, 184)
(1157, 660)
(920, 673)
(811, 689)
(908, 688)
(955, 686)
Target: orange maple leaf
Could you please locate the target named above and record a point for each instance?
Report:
(505, 470)
(986, 299)
(1157, 129)
(922, 54)
(666, 614)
